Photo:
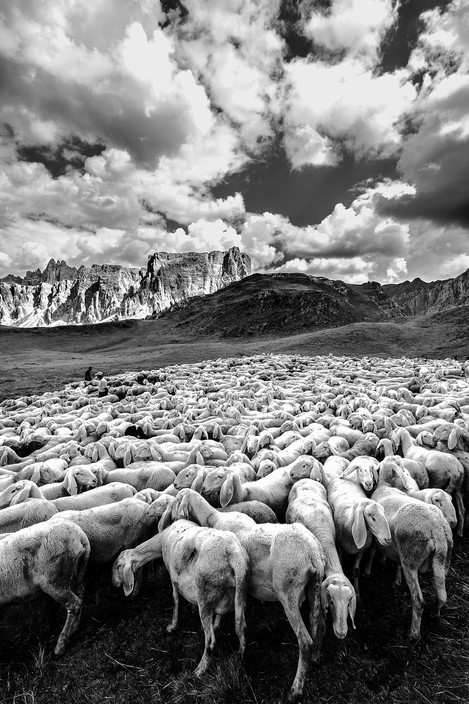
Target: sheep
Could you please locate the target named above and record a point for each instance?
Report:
(257, 510)
(27, 513)
(43, 472)
(415, 468)
(215, 478)
(366, 445)
(405, 482)
(287, 565)
(117, 526)
(272, 489)
(208, 567)
(454, 440)
(100, 496)
(357, 519)
(421, 540)
(75, 480)
(192, 476)
(307, 504)
(366, 469)
(444, 471)
(147, 475)
(48, 557)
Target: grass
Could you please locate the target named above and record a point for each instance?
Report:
(122, 653)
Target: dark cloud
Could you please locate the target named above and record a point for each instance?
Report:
(448, 205)
(403, 37)
(69, 154)
(306, 196)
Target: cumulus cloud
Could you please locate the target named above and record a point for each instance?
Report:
(129, 91)
(355, 26)
(328, 106)
(120, 117)
(435, 156)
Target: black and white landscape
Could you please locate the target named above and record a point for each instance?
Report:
(247, 221)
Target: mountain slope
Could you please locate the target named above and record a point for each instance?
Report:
(282, 304)
(419, 297)
(65, 295)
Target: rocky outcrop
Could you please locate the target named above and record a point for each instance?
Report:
(64, 295)
(419, 297)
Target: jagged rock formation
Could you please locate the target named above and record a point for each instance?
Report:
(64, 295)
(419, 297)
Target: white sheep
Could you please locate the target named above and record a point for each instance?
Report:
(444, 470)
(49, 557)
(357, 520)
(421, 540)
(27, 513)
(273, 489)
(117, 526)
(75, 480)
(286, 565)
(208, 567)
(415, 468)
(308, 504)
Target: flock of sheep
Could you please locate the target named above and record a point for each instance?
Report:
(250, 475)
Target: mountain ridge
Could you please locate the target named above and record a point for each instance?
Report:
(265, 303)
(65, 295)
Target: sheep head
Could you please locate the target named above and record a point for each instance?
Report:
(338, 596)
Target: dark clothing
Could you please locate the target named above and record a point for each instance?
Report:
(88, 376)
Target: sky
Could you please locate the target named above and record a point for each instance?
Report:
(328, 137)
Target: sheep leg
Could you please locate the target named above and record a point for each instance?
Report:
(411, 577)
(73, 604)
(317, 622)
(206, 619)
(305, 644)
(460, 511)
(356, 574)
(397, 581)
(439, 579)
(174, 622)
(369, 560)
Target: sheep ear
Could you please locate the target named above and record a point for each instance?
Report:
(227, 491)
(166, 519)
(70, 483)
(127, 456)
(128, 580)
(21, 496)
(198, 482)
(359, 527)
(346, 472)
(35, 475)
(154, 453)
(95, 454)
(452, 439)
(324, 597)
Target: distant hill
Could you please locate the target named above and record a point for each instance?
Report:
(282, 304)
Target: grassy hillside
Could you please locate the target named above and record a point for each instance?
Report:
(40, 359)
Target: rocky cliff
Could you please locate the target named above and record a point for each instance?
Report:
(64, 295)
(419, 297)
